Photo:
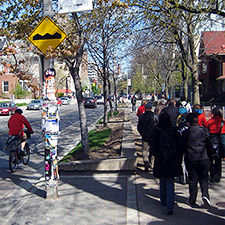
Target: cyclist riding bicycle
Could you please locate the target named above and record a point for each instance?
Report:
(16, 124)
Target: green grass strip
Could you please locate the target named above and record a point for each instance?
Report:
(115, 113)
(21, 104)
(96, 140)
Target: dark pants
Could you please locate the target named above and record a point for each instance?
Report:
(167, 193)
(215, 170)
(198, 172)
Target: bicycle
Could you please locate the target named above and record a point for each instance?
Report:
(13, 145)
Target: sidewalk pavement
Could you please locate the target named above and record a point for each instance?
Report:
(108, 198)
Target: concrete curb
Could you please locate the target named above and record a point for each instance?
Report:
(127, 161)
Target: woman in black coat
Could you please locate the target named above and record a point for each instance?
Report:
(196, 159)
(168, 158)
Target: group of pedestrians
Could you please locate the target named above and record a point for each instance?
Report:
(175, 140)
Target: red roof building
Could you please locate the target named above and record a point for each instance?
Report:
(212, 65)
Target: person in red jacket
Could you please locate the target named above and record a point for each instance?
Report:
(141, 108)
(201, 117)
(214, 125)
(16, 124)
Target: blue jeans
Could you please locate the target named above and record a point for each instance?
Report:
(167, 193)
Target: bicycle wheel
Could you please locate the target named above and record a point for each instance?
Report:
(13, 161)
(26, 158)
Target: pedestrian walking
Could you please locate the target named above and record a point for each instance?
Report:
(201, 117)
(196, 159)
(185, 104)
(146, 123)
(133, 102)
(168, 158)
(172, 111)
(141, 108)
(181, 127)
(215, 125)
(160, 106)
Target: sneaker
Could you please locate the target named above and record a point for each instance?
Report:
(206, 201)
(190, 204)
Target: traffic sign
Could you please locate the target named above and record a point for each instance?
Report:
(47, 35)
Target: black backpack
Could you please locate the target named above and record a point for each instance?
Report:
(168, 143)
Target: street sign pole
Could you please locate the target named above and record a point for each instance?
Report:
(50, 129)
(51, 184)
(47, 33)
(44, 64)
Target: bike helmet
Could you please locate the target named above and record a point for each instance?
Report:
(20, 111)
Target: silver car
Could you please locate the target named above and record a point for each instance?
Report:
(35, 104)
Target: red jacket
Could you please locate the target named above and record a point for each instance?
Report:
(201, 120)
(214, 124)
(141, 110)
(16, 123)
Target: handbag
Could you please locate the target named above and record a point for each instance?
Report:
(213, 144)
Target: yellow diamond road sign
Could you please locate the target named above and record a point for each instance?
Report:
(47, 34)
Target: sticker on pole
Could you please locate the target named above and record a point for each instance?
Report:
(47, 35)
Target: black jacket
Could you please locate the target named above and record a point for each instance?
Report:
(145, 126)
(169, 166)
(194, 142)
(173, 112)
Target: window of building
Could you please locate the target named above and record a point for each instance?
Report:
(5, 86)
(204, 67)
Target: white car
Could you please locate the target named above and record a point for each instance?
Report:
(100, 100)
(65, 101)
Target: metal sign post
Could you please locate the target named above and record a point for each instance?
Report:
(50, 129)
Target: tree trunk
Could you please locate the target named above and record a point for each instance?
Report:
(184, 79)
(105, 101)
(110, 100)
(167, 80)
(194, 65)
(81, 109)
(195, 84)
(74, 71)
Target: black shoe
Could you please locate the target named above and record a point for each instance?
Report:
(170, 213)
(190, 204)
(212, 180)
(147, 166)
(23, 153)
(217, 179)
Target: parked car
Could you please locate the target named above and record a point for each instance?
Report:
(90, 102)
(35, 104)
(100, 99)
(65, 101)
(7, 108)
